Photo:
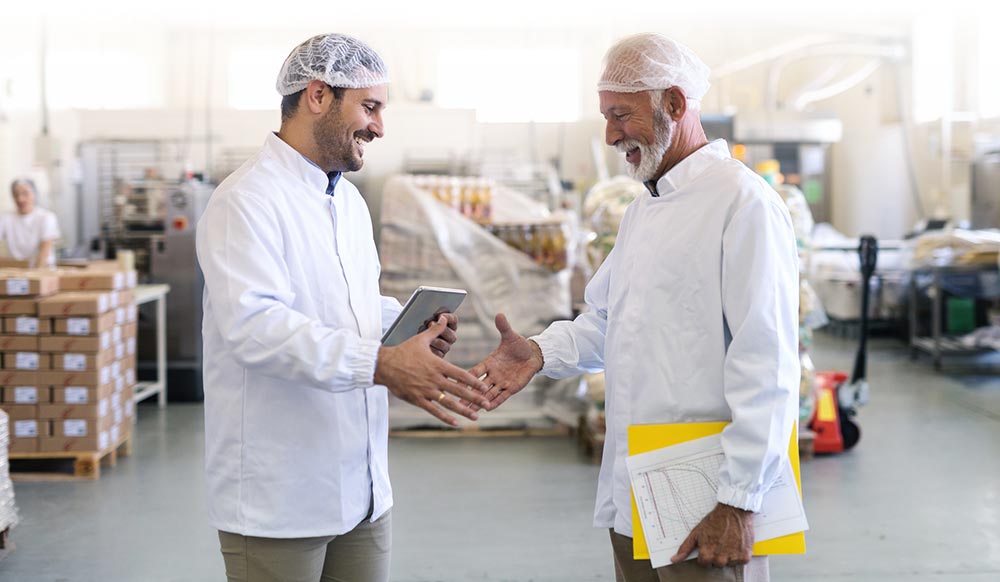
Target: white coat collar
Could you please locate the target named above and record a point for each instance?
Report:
(692, 166)
(298, 165)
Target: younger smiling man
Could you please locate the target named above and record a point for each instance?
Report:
(296, 405)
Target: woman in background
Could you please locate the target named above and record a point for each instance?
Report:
(31, 231)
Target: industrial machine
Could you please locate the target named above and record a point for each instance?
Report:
(129, 201)
(156, 220)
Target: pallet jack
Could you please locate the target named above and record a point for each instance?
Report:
(837, 400)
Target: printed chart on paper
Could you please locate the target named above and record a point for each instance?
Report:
(675, 487)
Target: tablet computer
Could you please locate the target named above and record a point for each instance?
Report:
(421, 306)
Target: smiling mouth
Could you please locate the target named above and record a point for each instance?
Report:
(633, 156)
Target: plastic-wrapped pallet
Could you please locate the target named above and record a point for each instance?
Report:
(425, 242)
(8, 510)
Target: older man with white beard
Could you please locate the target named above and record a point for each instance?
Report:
(693, 316)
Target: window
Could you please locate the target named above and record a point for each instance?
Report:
(511, 85)
(989, 65)
(933, 66)
(252, 74)
(103, 79)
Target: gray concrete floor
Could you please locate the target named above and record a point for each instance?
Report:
(918, 499)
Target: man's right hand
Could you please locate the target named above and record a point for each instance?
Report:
(511, 366)
(415, 375)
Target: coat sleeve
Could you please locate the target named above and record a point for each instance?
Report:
(391, 309)
(248, 286)
(577, 346)
(761, 371)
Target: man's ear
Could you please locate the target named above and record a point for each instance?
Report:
(674, 103)
(317, 96)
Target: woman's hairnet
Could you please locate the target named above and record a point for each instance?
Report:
(649, 62)
(336, 59)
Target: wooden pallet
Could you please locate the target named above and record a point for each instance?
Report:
(473, 431)
(75, 466)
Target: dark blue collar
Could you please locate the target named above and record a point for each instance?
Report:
(334, 177)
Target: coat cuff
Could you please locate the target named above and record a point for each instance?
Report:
(548, 352)
(362, 365)
(740, 499)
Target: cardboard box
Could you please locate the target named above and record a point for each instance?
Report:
(27, 325)
(21, 411)
(23, 445)
(81, 361)
(26, 395)
(95, 442)
(100, 409)
(75, 343)
(74, 303)
(123, 298)
(92, 280)
(18, 343)
(10, 306)
(84, 325)
(82, 394)
(25, 361)
(81, 427)
(20, 378)
(130, 330)
(15, 283)
(61, 379)
(12, 263)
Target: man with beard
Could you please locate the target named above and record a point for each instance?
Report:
(296, 405)
(693, 316)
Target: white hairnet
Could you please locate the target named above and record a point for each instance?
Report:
(336, 59)
(649, 62)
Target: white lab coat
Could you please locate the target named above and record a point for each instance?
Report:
(295, 432)
(694, 316)
(24, 233)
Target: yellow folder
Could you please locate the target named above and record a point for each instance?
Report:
(643, 438)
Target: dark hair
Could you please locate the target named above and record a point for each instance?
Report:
(23, 182)
(290, 103)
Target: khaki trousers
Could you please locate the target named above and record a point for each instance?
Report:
(628, 569)
(360, 555)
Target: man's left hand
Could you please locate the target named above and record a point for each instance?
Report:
(724, 538)
(442, 344)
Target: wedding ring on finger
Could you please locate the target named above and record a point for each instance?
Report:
(441, 397)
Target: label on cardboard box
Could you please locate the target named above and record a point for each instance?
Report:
(74, 427)
(116, 370)
(102, 439)
(25, 428)
(130, 346)
(113, 299)
(119, 414)
(116, 433)
(105, 340)
(119, 384)
(116, 400)
(132, 314)
(119, 351)
(76, 395)
(130, 376)
(78, 326)
(120, 316)
(26, 361)
(27, 325)
(116, 333)
(75, 362)
(26, 394)
(18, 287)
(130, 408)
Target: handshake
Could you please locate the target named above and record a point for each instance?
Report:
(415, 371)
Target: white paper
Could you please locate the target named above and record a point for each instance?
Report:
(114, 299)
(119, 414)
(74, 362)
(116, 433)
(27, 325)
(119, 351)
(676, 487)
(18, 287)
(105, 340)
(77, 395)
(130, 346)
(78, 326)
(26, 361)
(102, 440)
(25, 394)
(103, 407)
(120, 316)
(105, 375)
(25, 429)
(102, 303)
(118, 281)
(75, 428)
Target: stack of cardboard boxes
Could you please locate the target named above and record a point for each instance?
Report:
(68, 354)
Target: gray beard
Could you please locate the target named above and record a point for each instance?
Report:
(652, 155)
